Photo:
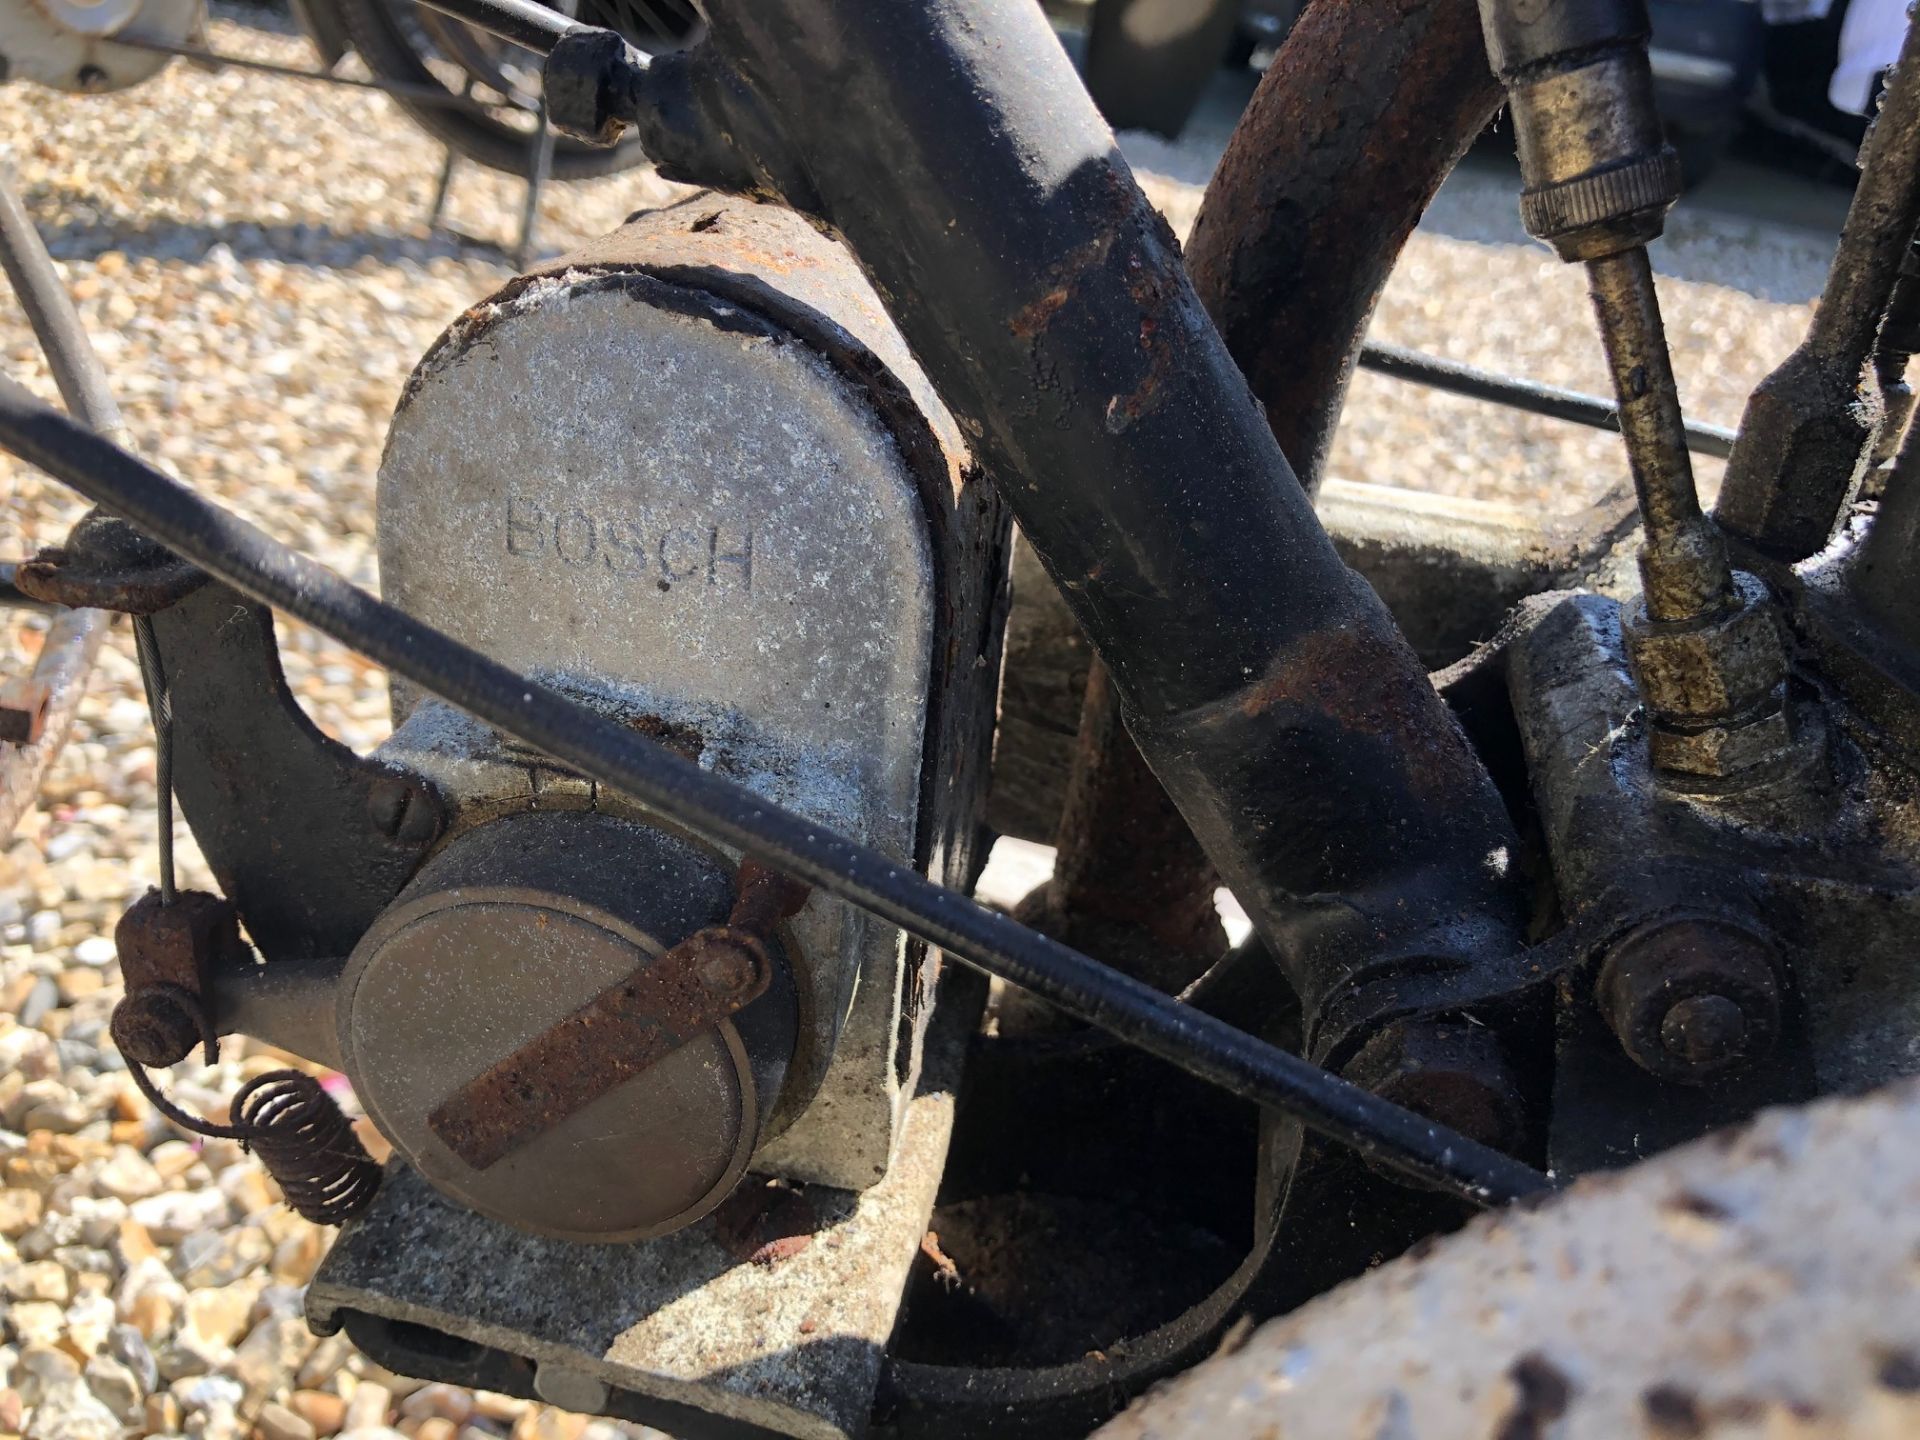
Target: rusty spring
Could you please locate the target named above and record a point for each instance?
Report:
(301, 1135)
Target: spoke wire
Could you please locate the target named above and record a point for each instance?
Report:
(153, 675)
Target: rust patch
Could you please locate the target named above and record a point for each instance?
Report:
(945, 1273)
(683, 740)
(764, 1225)
(624, 1030)
(1362, 113)
(1369, 683)
(1034, 317)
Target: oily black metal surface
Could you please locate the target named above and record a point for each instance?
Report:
(729, 814)
(1261, 677)
(308, 839)
(1332, 164)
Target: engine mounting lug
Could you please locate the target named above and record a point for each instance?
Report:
(1691, 998)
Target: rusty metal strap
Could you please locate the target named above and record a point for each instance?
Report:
(629, 1027)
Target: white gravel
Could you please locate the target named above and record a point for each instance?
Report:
(251, 258)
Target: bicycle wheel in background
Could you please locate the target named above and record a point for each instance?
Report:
(406, 42)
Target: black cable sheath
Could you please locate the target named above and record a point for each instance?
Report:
(730, 814)
(1548, 400)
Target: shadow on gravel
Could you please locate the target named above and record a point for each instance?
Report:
(314, 246)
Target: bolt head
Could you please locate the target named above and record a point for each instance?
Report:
(1704, 1030)
(1452, 1072)
(1692, 998)
(728, 969)
(153, 1028)
(404, 808)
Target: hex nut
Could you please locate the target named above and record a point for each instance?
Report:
(1805, 440)
(1726, 666)
(1692, 964)
(1720, 752)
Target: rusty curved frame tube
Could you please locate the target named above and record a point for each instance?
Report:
(1327, 174)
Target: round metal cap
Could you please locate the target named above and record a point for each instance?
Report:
(510, 929)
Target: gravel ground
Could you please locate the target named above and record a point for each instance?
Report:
(251, 258)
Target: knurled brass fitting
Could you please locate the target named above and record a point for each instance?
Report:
(1598, 172)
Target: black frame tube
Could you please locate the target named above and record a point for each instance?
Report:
(1265, 682)
(727, 813)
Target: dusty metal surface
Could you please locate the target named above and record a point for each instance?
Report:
(625, 1029)
(629, 1027)
(731, 506)
(1328, 171)
(503, 1028)
(717, 1319)
(1754, 1284)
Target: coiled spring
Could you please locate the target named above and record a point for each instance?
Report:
(301, 1135)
